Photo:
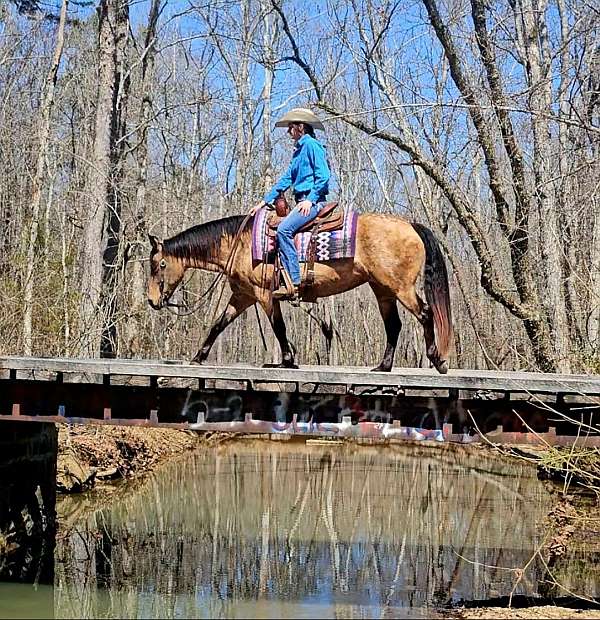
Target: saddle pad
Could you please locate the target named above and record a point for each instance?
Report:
(330, 245)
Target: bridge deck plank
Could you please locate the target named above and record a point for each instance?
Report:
(410, 378)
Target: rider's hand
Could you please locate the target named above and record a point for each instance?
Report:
(255, 208)
(304, 207)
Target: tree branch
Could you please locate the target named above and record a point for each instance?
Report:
(297, 58)
(518, 236)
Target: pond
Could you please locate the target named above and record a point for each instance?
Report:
(279, 529)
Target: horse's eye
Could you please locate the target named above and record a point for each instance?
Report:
(163, 263)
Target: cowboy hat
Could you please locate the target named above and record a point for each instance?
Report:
(300, 115)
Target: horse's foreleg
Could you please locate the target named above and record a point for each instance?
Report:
(278, 325)
(236, 305)
(392, 323)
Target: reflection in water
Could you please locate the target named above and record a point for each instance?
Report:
(270, 530)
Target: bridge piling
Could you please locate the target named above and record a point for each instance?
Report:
(28, 454)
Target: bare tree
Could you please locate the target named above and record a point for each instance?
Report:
(138, 227)
(38, 180)
(101, 234)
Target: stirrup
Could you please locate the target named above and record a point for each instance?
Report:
(287, 290)
(283, 293)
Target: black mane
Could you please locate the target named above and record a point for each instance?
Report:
(204, 240)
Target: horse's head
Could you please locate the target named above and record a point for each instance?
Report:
(166, 273)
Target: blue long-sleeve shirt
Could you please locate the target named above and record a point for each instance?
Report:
(308, 172)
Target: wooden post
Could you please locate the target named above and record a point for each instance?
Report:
(107, 408)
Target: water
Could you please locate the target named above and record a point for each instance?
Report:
(277, 530)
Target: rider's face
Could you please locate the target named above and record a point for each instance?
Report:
(295, 131)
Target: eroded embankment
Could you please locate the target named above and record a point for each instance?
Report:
(87, 454)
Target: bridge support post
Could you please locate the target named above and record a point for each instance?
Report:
(28, 453)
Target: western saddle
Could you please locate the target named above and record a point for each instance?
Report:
(330, 218)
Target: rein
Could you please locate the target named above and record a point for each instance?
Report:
(197, 304)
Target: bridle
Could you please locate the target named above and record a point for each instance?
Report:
(197, 304)
(200, 301)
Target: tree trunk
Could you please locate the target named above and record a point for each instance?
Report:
(569, 221)
(36, 196)
(114, 253)
(101, 228)
(244, 125)
(592, 98)
(540, 101)
(133, 327)
(269, 63)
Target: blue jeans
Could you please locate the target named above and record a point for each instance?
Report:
(285, 239)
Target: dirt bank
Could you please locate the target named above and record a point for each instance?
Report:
(87, 454)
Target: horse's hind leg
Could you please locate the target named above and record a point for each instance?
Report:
(237, 304)
(433, 354)
(278, 324)
(391, 320)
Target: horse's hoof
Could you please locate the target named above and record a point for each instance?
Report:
(197, 361)
(381, 368)
(282, 365)
(442, 368)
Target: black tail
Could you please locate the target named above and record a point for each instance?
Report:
(437, 291)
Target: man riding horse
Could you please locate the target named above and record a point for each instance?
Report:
(309, 174)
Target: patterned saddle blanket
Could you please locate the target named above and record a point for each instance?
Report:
(329, 245)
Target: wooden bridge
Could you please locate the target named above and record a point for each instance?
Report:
(464, 405)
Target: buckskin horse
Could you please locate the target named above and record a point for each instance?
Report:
(390, 253)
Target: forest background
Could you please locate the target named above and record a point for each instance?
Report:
(478, 118)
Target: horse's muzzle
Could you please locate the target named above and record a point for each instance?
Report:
(157, 306)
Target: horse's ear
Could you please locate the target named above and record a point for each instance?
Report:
(156, 244)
